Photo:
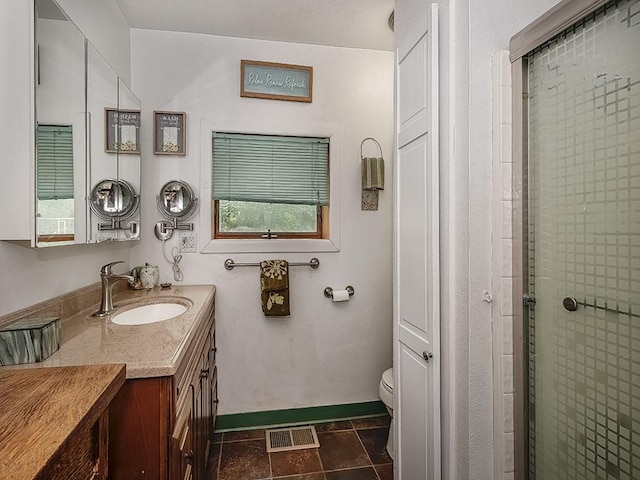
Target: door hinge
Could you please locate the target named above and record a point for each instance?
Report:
(528, 301)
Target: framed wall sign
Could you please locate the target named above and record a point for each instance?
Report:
(169, 133)
(122, 131)
(276, 81)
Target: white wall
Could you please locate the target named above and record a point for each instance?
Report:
(324, 353)
(502, 266)
(29, 276)
(491, 23)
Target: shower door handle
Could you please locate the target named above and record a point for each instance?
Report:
(570, 304)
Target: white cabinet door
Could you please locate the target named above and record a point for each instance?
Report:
(417, 267)
(17, 120)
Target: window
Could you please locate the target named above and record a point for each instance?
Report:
(54, 173)
(266, 186)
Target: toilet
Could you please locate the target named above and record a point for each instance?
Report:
(385, 390)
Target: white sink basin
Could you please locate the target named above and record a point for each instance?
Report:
(152, 313)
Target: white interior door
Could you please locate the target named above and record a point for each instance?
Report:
(417, 267)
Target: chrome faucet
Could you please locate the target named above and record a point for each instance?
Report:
(108, 279)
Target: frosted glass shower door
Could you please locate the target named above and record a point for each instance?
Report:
(584, 249)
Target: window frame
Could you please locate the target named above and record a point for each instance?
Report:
(322, 229)
(329, 238)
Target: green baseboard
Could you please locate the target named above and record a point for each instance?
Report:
(292, 416)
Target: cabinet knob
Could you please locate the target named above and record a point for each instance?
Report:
(188, 456)
(204, 373)
(427, 355)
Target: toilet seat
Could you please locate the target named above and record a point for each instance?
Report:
(385, 390)
(387, 378)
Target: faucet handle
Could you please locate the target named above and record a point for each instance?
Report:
(106, 269)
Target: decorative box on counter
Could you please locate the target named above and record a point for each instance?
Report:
(29, 340)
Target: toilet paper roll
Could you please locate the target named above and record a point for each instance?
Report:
(340, 296)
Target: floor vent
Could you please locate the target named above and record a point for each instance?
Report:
(284, 439)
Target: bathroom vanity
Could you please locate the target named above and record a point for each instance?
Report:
(161, 420)
(161, 427)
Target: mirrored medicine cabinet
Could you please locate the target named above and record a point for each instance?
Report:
(87, 139)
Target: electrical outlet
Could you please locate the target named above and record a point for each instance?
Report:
(188, 242)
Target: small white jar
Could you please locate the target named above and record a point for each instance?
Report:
(149, 276)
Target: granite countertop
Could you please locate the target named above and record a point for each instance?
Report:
(151, 350)
(57, 401)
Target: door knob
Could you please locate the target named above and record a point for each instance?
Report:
(427, 355)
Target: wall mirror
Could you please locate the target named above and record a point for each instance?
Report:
(60, 166)
(113, 114)
(176, 201)
(113, 198)
(87, 131)
(128, 151)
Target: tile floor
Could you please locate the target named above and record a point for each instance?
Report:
(349, 450)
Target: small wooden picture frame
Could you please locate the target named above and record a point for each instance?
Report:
(169, 133)
(276, 81)
(122, 131)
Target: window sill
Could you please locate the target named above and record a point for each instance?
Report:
(270, 246)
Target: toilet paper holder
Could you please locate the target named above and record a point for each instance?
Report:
(328, 291)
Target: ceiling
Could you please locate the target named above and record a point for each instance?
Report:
(340, 23)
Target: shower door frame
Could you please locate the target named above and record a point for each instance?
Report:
(562, 16)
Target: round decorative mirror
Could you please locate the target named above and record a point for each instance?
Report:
(176, 200)
(112, 198)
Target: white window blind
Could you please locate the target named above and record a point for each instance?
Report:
(270, 169)
(54, 162)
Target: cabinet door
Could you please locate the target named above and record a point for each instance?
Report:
(60, 159)
(203, 402)
(182, 454)
(214, 398)
(417, 268)
(213, 388)
(208, 394)
(16, 56)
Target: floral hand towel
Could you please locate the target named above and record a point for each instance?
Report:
(274, 287)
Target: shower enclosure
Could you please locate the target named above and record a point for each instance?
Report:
(580, 206)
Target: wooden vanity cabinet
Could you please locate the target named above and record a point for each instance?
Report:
(162, 427)
(41, 436)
